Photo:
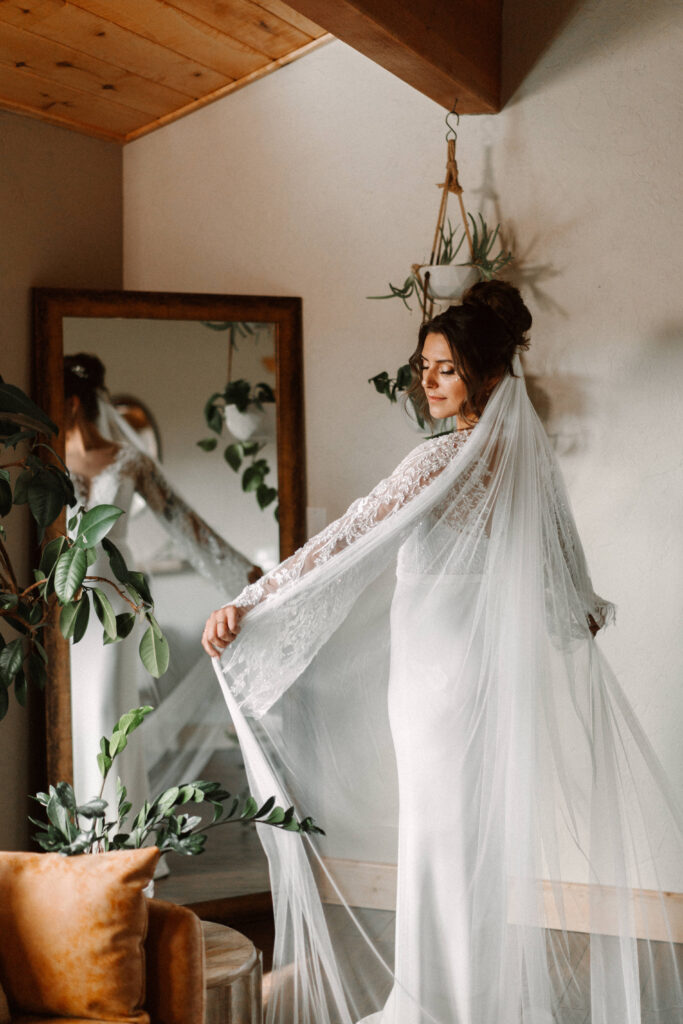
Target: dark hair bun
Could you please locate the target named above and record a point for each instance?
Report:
(84, 377)
(504, 300)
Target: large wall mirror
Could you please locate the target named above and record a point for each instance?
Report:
(164, 356)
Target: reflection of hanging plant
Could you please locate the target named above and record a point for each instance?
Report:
(241, 395)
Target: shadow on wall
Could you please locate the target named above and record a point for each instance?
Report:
(531, 26)
(563, 405)
(530, 277)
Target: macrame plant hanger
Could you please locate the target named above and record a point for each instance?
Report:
(451, 184)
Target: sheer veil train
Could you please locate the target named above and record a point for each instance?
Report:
(501, 843)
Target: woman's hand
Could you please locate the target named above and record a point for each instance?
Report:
(222, 626)
(592, 625)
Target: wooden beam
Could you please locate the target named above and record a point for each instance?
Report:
(443, 48)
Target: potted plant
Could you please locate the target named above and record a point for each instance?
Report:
(246, 409)
(32, 474)
(445, 279)
(242, 407)
(71, 828)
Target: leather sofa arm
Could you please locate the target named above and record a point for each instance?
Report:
(174, 951)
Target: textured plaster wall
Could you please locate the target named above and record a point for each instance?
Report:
(60, 225)
(319, 181)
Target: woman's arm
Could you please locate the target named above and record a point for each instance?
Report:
(205, 549)
(416, 471)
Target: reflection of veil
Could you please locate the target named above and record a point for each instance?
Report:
(188, 723)
(421, 678)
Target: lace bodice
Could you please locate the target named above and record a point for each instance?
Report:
(132, 472)
(417, 470)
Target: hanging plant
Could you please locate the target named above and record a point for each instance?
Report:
(441, 278)
(441, 285)
(239, 396)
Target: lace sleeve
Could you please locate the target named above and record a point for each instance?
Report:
(206, 550)
(417, 470)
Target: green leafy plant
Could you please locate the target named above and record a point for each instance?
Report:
(242, 395)
(73, 829)
(451, 242)
(483, 241)
(34, 475)
(392, 386)
(487, 266)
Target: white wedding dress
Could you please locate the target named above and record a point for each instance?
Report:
(420, 677)
(105, 678)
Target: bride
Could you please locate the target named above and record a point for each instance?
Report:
(423, 677)
(104, 678)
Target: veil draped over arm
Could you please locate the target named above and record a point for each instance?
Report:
(501, 844)
(188, 723)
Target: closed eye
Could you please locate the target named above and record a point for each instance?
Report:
(447, 369)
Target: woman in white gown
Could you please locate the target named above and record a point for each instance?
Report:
(105, 678)
(422, 677)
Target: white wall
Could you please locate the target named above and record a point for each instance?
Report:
(319, 181)
(60, 225)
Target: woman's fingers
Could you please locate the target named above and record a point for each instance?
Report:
(221, 628)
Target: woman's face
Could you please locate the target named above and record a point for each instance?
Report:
(444, 388)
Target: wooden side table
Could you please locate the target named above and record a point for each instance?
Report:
(234, 974)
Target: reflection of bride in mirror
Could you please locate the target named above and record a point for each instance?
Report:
(108, 467)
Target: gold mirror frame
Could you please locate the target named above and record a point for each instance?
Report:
(50, 307)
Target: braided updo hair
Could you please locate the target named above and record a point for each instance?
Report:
(483, 333)
(84, 377)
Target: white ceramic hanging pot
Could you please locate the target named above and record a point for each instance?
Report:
(243, 425)
(449, 281)
(253, 422)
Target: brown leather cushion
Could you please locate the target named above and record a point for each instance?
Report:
(4, 1008)
(72, 933)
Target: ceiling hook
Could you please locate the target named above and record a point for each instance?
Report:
(452, 133)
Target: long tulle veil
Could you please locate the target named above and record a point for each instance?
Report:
(448, 642)
(188, 724)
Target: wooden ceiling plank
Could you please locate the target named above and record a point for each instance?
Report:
(27, 13)
(233, 87)
(61, 122)
(62, 65)
(288, 14)
(49, 99)
(180, 32)
(244, 20)
(121, 48)
(446, 48)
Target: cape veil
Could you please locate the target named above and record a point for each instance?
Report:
(501, 844)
